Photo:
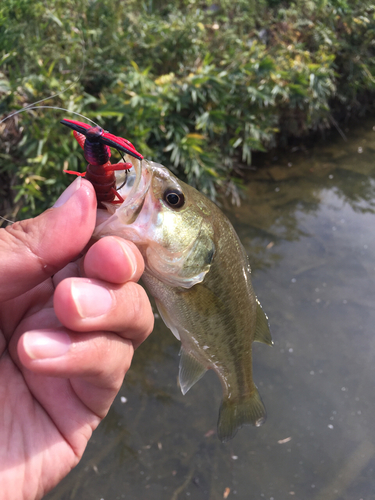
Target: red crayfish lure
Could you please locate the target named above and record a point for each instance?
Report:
(96, 144)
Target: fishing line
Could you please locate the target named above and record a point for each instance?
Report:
(126, 172)
(336, 125)
(34, 106)
(7, 220)
(77, 79)
(50, 107)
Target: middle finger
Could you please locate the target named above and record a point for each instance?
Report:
(83, 305)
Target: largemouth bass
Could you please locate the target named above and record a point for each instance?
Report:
(198, 273)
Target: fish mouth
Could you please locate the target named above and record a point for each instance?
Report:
(132, 186)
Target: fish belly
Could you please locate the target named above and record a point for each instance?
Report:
(215, 321)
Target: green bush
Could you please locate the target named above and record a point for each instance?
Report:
(196, 85)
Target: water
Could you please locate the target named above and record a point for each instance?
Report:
(309, 230)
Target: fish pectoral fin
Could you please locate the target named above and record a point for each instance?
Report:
(191, 370)
(234, 414)
(262, 329)
(167, 320)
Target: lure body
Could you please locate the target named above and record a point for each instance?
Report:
(96, 144)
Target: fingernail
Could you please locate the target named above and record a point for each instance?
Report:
(68, 193)
(130, 257)
(46, 344)
(91, 300)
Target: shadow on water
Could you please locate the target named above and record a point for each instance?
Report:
(308, 227)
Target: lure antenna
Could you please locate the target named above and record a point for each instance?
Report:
(103, 137)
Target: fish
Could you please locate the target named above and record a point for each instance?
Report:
(198, 273)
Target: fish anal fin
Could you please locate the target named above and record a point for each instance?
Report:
(191, 370)
(234, 414)
(262, 329)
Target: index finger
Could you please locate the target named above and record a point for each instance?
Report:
(113, 259)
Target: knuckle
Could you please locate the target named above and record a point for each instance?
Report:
(109, 361)
(126, 364)
(136, 302)
(22, 234)
(139, 314)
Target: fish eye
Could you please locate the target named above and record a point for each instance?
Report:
(174, 198)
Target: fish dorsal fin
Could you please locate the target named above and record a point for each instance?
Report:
(191, 370)
(262, 330)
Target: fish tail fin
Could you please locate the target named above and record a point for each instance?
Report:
(234, 414)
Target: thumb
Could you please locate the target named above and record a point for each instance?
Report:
(35, 249)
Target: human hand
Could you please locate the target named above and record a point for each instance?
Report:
(66, 341)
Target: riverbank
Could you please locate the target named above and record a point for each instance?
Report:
(197, 86)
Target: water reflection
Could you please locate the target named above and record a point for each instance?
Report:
(308, 228)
